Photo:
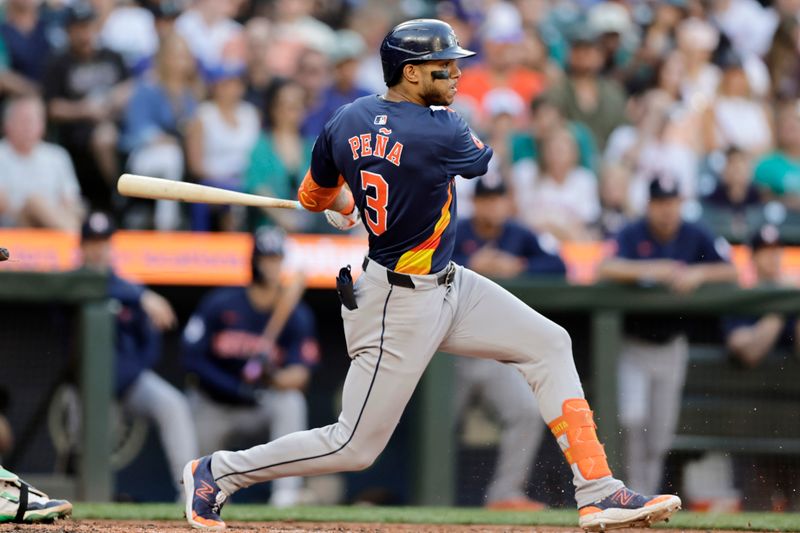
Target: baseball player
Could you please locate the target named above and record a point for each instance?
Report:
(399, 154)
(220, 342)
(22, 503)
(140, 314)
(490, 243)
(660, 249)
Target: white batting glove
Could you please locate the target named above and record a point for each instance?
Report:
(343, 222)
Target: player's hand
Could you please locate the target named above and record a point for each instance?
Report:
(343, 222)
(158, 310)
(687, 280)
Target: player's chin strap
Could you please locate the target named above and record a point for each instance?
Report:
(23, 501)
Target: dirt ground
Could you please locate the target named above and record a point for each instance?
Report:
(96, 526)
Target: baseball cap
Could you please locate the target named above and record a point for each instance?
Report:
(583, 35)
(609, 18)
(269, 241)
(78, 13)
(223, 71)
(664, 186)
(489, 185)
(349, 45)
(167, 9)
(768, 235)
(97, 226)
(503, 101)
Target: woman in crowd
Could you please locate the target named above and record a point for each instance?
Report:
(218, 145)
(156, 119)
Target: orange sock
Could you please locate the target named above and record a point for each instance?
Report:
(575, 432)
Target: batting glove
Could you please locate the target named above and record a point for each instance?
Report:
(343, 222)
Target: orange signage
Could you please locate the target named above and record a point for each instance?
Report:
(185, 258)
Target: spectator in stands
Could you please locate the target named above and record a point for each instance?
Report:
(87, 89)
(612, 23)
(735, 191)
(344, 87)
(140, 317)
(157, 114)
(313, 73)
(501, 63)
(25, 34)
(545, 118)
(258, 35)
(646, 148)
(586, 96)
(219, 141)
(492, 244)
(165, 13)
(658, 250)
(296, 30)
(243, 381)
(281, 156)
(11, 82)
(782, 59)
(658, 39)
(536, 58)
(558, 196)
(733, 106)
(38, 187)
(697, 40)
(777, 174)
(214, 38)
(502, 109)
(126, 28)
(615, 206)
(373, 21)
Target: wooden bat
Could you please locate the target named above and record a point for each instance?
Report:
(163, 189)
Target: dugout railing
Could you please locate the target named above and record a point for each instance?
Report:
(708, 424)
(86, 293)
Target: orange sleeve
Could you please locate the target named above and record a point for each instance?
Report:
(316, 198)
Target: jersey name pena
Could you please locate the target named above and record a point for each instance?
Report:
(399, 160)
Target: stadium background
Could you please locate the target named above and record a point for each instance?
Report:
(295, 39)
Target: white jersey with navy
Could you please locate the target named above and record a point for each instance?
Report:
(400, 160)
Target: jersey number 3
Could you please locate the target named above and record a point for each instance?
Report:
(377, 192)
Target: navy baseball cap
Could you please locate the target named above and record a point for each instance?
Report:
(269, 241)
(167, 9)
(663, 186)
(489, 186)
(78, 13)
(97, 226)
(767, 236)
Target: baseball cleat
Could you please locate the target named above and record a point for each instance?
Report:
(22, 503)
(204, 499)
(626, 508)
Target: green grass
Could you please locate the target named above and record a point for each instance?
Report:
(428, 515)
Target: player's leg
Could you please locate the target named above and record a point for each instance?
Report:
(509, 396)
(287, 413)
(151, 396)
(491, 323)
(634, 400)
(19, 502)
(391, 338)
(668, 368)
(215, 422)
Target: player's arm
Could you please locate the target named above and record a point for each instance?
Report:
(464, 154)
(750, 344)
(302, 350)
(323, 185)
(625, 267)
(541, 261)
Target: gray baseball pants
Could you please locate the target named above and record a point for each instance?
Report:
(391, 338)
(650, 383)
(508, 396)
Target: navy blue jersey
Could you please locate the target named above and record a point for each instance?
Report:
(400, 160)
(137, 342)
(226, 331)
(692, 244)
(515, 240)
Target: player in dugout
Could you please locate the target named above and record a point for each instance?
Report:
(141, 315)
(492, 244)
(244, 383)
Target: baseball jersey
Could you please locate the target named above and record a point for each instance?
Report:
(692, 244)
(400, 161)
(226, 331)
(137, 342)
(515, 240)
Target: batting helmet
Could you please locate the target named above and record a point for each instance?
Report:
(267, 241)
(417, 41)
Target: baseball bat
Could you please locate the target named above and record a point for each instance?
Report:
(163, 189)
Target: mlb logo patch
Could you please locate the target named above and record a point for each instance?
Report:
(380, 120)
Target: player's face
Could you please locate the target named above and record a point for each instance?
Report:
(492, 210)
(664, 216)
(96, 254)
(436, 91)
(270, 267)
(767, 261)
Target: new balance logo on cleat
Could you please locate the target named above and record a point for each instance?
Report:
(626, 508)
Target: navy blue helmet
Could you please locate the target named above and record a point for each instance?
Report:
(416, 41)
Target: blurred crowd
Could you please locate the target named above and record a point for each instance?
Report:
(584, 102)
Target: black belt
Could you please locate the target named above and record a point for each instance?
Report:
(404, 280)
